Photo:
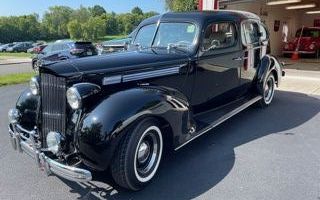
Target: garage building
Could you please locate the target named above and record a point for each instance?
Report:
(283, 17)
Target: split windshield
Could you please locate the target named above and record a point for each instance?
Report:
(180, 36)
(308, 33)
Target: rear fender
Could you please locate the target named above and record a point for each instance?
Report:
(267, 64)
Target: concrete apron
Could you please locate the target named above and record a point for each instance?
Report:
(307, 82)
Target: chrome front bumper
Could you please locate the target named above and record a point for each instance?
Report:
(24, 141)
(300, 52)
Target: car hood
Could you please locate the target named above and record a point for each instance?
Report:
(115, 63)
(303, 40)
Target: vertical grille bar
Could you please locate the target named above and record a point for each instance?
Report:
(53, 105)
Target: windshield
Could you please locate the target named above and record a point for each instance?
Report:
(308, 33)
(178, 35)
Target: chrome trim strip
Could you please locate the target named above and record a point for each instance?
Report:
(151, 74)
(302, 52)
(221, 120)
(112, 80)
(139, 76)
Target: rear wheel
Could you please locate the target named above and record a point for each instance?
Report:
(138, 156)
(317, 54)
(267, 90)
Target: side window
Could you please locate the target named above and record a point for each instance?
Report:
(55, 47)
(219, 35)
(65, 47)
(250, 31)
(264, 32)
(47, 49)
(145, 35)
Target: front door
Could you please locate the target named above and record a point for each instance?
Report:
(218, 68)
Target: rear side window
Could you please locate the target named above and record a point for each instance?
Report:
(47, 49)
(87, 47)
(264, 32)
(219, 36)
(55, 47)
(250, 33)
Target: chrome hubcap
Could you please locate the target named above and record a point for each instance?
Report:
(148, 154)
(143, 152)
(269, 90)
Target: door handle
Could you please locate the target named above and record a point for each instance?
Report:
(238, 59)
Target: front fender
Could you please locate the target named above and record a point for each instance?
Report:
(102, 128)
(28, 105)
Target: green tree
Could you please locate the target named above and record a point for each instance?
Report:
(150, 14)
(111, 23)
(181, 5)
(97, 11)
(63, 22)
(56, 20)
(93, 29)
(19, 28)
(74, 29)
(137, 11)
(82, 14)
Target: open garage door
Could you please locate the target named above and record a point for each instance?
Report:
(282, 16)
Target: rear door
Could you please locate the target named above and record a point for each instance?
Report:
(250, 34)
(218, 69)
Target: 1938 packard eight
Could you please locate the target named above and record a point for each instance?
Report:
(186, 73)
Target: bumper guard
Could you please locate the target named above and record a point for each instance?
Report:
(24, 141)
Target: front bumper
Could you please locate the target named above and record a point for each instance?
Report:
(300, 52)
(24, 141)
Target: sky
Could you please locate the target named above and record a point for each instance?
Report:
(22, 7)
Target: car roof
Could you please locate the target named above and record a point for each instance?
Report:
(202, 16)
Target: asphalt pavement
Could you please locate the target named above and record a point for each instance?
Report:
(15, 68)
(265, 154)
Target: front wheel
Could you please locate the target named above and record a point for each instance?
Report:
(138, 156)
(267, 90)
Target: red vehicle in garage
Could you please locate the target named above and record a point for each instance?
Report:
(307, 42)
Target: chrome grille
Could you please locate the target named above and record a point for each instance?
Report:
(53, 105)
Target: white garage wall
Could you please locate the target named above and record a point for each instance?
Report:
(295, 19)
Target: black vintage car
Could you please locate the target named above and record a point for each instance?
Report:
(119, 112)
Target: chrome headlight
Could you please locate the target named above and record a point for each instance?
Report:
(54, 141)
(74, 98)
(286, 46)
(34, 86)
(13, 115)
(312, 46)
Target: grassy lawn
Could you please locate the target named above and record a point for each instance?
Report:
(6, 55)
(11, 79)
(112, 37)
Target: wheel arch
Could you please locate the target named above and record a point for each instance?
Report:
(269, 64)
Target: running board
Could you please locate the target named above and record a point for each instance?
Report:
(242, 104)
